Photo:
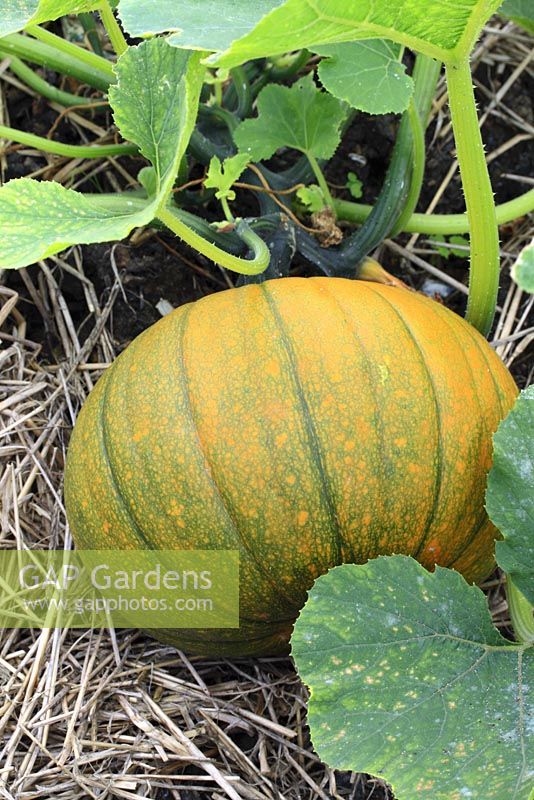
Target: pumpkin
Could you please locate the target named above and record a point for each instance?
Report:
(302, 422)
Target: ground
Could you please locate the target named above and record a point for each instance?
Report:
(98, 714)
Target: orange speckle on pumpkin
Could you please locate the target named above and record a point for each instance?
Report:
(413, 467)
(350, 444)
(291, 479)
(106, 526)
(281, 439)
(273, 368)
(141, 433)
(302, 518)
(401, 441)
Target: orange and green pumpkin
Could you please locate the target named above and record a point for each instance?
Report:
(303, 422)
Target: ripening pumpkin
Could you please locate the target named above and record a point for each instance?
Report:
(303, 422)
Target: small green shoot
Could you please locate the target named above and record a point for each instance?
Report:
(444, 246)
(354, 185)
(223, 176)
(309, 199)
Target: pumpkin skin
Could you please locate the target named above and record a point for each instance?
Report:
(303, 422)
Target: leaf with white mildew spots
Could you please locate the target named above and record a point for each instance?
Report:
(410, 681)
(206, 24)
(39, 219)
(155, 103)
(16, 14)
(510, 493)
(244, 30)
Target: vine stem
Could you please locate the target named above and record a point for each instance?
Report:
(321, 180)
(67, 150)
(418, 166)
(69, 49)
(51, 57)
(38, 84)
(227, 210)
(244, 266)
(520, 613)
(439, 224)
(113, 30)
(480, 205)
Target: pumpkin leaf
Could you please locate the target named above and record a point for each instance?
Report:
(310, 199)
(510, 493)
(367, 75)
(301, 117)
(523, 269)
(242, 30)
(223, 176)
(16, 14)
(521, 12)
(410, 681)
(155, 104)
(40, 218)
(208, 24)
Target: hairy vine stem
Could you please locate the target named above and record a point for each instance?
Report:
(480, 205)
(67, 150)
(245, 266)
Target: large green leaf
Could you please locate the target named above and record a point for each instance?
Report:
(367, 75)
(39, 219)
(244, 30)
(301, 117)
(16, 14)
(204, 24)
(155, 103)
(521, 12)
(410, 681)
(510, 493)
